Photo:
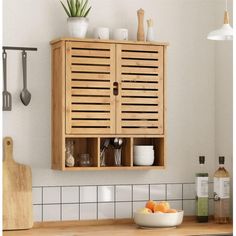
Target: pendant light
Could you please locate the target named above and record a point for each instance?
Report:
(225, 32)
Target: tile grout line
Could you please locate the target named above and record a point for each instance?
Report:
(42, 204)
(114, 215)
(79, 202)
(61, 203)
(132, 200)
(97, 201)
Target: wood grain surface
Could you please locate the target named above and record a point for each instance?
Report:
(17, 191)
(125, 229)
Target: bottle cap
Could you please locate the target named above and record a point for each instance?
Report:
(221, 160)
(201, 159)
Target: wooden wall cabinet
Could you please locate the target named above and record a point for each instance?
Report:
(103, 89)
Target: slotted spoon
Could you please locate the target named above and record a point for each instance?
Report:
(6, 96)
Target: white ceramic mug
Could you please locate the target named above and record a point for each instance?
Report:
(120, 34)
(101, 33)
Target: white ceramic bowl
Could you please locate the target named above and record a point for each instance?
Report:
(145, 152)
(146, 159)
(158, 219)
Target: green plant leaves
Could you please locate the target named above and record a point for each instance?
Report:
(76, 8)
(87, 12)
(67, 12)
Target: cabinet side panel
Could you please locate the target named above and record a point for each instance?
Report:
(58, 105)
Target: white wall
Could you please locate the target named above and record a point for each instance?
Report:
(191, 83)
(224, 94)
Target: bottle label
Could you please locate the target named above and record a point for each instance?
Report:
(202, 187)
(221, 188)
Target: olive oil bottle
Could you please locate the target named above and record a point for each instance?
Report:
(222, 194)
(201, 183)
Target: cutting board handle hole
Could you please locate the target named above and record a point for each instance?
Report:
(8, 143)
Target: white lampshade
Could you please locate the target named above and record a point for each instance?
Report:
(225, 32)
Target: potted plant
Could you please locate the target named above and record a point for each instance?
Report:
(77, 11)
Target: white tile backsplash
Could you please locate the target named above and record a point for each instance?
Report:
(140, 192)
(138, 205)
(37, 195)
(51, 195)
(176, 205)
(105, 193)
(70, 195)
(88, 211)
(189, 191)
(51, 212)
(123, 193)
(157, 192)
(189, 207)
(70, 211)
(123, 210)
(174, 191)
(88, 194)
(37, 213)
(105, 210)
(111, 201)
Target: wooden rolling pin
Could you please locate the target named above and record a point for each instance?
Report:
(140, 33)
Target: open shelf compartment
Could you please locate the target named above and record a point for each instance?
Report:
(125, 152)
(85, 146)
(158, 144)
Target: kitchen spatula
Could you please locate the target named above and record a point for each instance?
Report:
(6, 96)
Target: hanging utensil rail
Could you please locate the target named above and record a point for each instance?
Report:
(19, 48)
(25, 94)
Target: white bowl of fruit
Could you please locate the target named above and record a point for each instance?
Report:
(158, 214)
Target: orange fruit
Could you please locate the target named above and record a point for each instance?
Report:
(150, 204)
(162, 206)
(171, 211)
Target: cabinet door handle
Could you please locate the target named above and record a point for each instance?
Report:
(115, 88)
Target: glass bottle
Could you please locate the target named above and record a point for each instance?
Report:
(201, 183)
(150, 31)
(221, 193)
(70, 160)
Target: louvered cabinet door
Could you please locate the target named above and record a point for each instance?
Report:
(90, 74)
(140, 100)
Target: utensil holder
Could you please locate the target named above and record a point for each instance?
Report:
(117, 156)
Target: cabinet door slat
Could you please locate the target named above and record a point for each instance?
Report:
(89, 76)
(86, 84)
(90, 115)
(89, 68)
(97, 92)
(86, 107)
(140, 85)
(140, 62)
(139, 78)
(139, 101)
(139, 93)
(91, 100)
(140, 70)
(89, 61)
(139, 116)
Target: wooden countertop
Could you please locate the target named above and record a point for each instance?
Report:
(124, 229)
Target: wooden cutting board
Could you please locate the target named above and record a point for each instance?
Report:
(17, 191)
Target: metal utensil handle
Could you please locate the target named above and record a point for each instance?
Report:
(4, 61)
(24, 65)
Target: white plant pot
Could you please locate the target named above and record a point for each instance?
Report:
(77, 26)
